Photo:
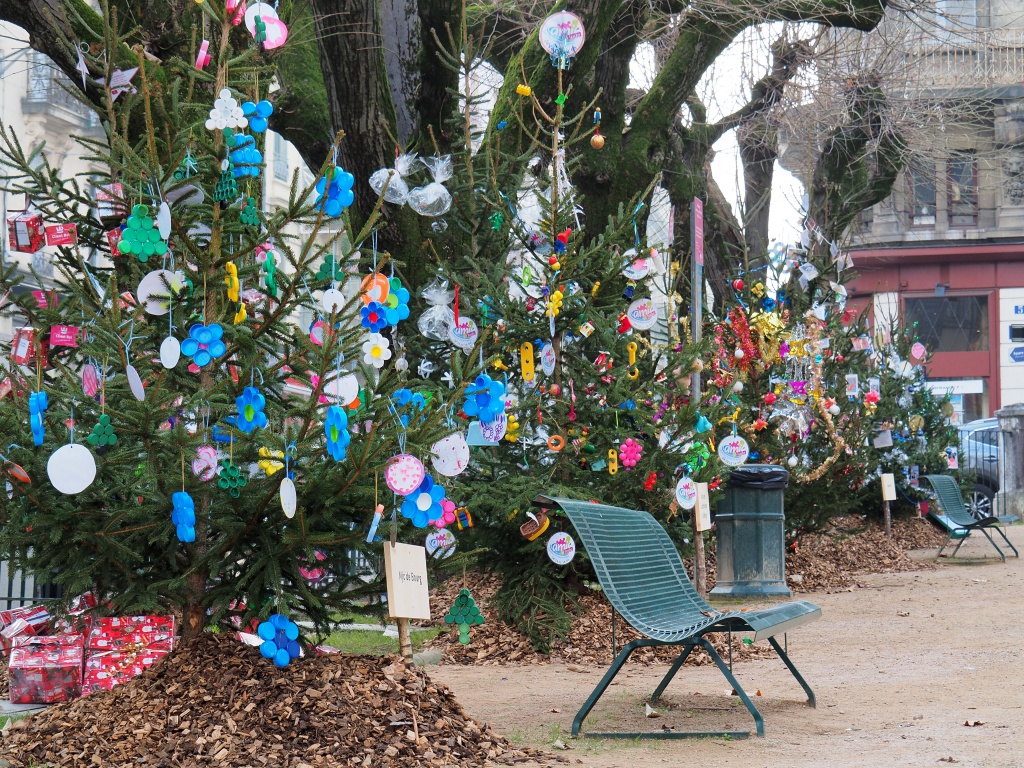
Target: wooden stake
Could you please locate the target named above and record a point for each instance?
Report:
(888, 521)
(404, 639)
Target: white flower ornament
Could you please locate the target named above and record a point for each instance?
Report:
(226, 113)
(376, 350)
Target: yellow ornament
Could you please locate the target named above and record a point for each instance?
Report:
(524, 90)
(241, 314)
(232, 281)
(555, 303)
(266, 462)
(758, 290)
(512, 429)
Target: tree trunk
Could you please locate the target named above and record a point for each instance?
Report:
(759, 144)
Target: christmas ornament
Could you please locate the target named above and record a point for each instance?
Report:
(183, 516)
(561, 549)
(205, 466)
(424, 503)
(245, 158)
(404, 474)
(135, 383)
(629, 453)
(204, 344)
(103, 433)
(437, 319)
(686, 492)
(71, 469)
(258, 114)
(373, 317)
(396, 308)
(250, 406)
(280, 640)
(433, 199)
(336, 431)
(464, 614)
(441, 543)
(38, 402)
(450, 455)
(140, 237)
(329, 270)
(485, 399)
(231, 478)
(389, 181)
(376, 350)
(250, 214)
(226, 113)
(334, 192)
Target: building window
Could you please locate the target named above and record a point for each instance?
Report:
(962, 177)
(280, 158)
(957, 15)
(949, 323)
(922, 194)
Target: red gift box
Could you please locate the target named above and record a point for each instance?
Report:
(25, 346)
(61, 234)
(112, 633)
(33, 614)
(25, 232)
(46, 670)
(18, 628)
(105, 669)
(110, 203)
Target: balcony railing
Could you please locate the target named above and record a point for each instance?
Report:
(48, 86)
(976, 58)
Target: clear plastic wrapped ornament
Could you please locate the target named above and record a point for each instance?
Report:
(438, 318)
(397, 189)
(433, 199)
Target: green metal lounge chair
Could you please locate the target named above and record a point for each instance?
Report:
(643, 576)
(958, 522)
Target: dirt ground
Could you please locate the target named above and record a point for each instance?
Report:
(898, 665)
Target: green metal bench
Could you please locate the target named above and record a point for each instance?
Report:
(957, 521)
(644, 578)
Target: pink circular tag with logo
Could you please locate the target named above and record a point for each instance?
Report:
(404, 474)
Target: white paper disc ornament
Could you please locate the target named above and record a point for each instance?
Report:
(153, 293)
(170, 352)
(686, 492)
(547, 359)
(346, 389)
(333, 300)
(263, 10)
(71, 468)
(733, 450)
(464, 334)
(163, 220)
(450, 455)
(403, 474)
(642, 314)
(441, 543)
(135, 382)
(289, 501)
(561, 549)
(638, 268)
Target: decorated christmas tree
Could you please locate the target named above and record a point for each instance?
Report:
(181, 444)
(566, 343)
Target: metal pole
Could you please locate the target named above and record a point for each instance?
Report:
(696, 323)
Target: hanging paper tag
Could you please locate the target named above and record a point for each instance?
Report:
(61, 234)
(64, 336)
(703, 516)
(733, 450)
(561, 549)
(547, 359)
(852, 386)
(464, 335)
(686, 492)
(642, 314)
(635, 270)
(441, 543)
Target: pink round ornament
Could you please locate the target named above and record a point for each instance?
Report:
(277, 34)
(403, 474)
(206, 465)
(450, 455)
(447, 514)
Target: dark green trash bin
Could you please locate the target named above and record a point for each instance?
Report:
(751, 521)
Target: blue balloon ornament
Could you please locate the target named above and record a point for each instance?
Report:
(485, 399)
(424, 504)
(183, 516)
(250, 406)
(334, 192)
(280, 640)
(336, 430)
(38, 402)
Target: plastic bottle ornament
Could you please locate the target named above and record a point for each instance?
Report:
(336, 431)
(103, 433)
(141, 238)
(334, 192)
(629, 453)
(464, 614)
(376, 350)
(390, 181)
(231, 478)
(397, 305)
(280, 640)
(38, 402)
(245, 158)
(204, 343)
(250, 406)
(485, 399)
(433, 199)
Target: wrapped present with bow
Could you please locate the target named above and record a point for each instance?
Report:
(122, 647)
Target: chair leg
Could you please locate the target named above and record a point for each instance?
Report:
(724, 669)
(993, 543)
(960, 544)
(602, 686)
(793, 669)
(671, 673)
(999, 530)
(939, 553)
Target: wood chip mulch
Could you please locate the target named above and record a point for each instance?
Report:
(827, 561)
(216, 702)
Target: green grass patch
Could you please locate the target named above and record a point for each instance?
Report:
(376, 643)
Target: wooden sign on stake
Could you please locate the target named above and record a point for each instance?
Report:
(405, 568)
